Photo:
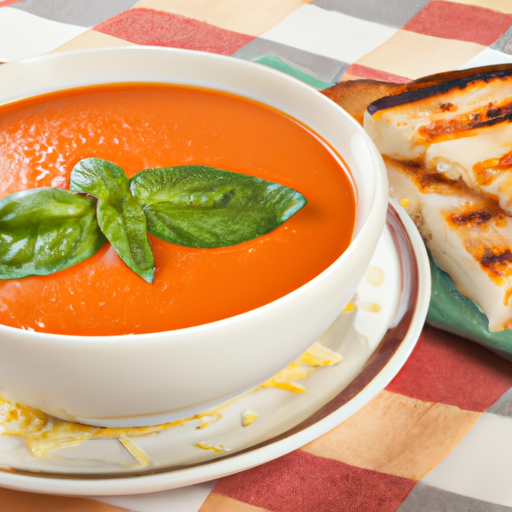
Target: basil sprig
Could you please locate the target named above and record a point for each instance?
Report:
(46, 230)
(119, 215)
(203, 207)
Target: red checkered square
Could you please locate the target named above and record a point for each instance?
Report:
(450, 20)
(157, 28)
(451, 370)
(308, 483)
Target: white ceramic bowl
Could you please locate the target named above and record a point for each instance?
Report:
(147, 379)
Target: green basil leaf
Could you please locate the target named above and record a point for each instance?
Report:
(197, 206)
(119, 215)
(46, 230)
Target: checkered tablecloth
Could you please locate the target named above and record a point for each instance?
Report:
(439, 437)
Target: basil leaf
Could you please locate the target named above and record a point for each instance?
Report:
(119, 215)
(46, 230)
(197, 206)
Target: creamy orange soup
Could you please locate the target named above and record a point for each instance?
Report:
(139, 126)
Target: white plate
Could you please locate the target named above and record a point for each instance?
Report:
(375, 340)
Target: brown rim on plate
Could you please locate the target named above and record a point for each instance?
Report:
(399, 331)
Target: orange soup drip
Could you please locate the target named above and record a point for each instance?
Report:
(139, 126)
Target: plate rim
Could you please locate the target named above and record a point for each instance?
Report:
(168, 478)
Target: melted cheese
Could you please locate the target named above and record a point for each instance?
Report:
(249, 417)
(43, 433)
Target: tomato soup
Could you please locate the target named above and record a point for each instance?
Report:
(140, 126)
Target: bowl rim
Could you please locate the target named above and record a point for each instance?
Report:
(380, 199)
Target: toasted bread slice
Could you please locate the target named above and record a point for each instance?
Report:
(468, 235)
